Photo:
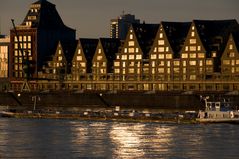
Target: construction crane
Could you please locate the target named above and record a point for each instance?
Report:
(25, 62)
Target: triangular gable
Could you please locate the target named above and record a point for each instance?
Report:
(25, 86)
(193, 42)
(231, 50)
(161, 44)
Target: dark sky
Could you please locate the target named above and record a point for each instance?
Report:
(91, 18)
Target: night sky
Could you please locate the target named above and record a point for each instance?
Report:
(91, 18)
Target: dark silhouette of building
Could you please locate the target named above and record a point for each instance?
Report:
(39, 35)
(119, 26)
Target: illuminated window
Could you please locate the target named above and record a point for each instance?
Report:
(99, 51)
(161, 63)
(192, 48)
(168, 56)
(153, 56)
(117, 70)
(79, 58)
(176, 70)
(167, 49)
(184, 70)
(237, 69)
(155, 49)
(233, 70)
(79, 51)
(184, 63)
(29, 38)
(186, 48)
(24, 38)
(117, 63)
(160, 42)
(193, 27)
(131, 43)
(59, 52)
(131, 50)
(200, 63)
(201, 55)
(160, 70)
(161, 56)
(230, 46)
(15, 53)
(153, 63)
(184, 55)
(131, 70)
(199, 48)
(176, 63)
(237, 62)
(192, 33)
(29, 45)
(161, 35)
(193, 55)
(192, 77)
(131, 57)
(60, 58)
(82, 64)
(192, 63)
(214, 54)
(138, 57)
(125, 50)
(16, 45)
(208, 62)
(161, 49)
(192, 41)
(168, 70)
(153, 71)
(16, 67)
(102, 70)
(168, 63)
(124, 57)
(137, 50)
(124, 64)
(99, 58)
(232, 54)
(131, 36)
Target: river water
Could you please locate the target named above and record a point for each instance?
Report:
(48, 138)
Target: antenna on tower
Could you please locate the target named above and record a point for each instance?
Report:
(123, 12)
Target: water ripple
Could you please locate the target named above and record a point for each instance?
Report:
(24, 138)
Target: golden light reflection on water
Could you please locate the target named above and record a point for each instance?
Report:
(126, 140)
(136, 140)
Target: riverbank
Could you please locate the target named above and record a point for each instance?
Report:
(122, 116)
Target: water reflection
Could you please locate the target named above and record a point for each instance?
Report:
(90, 139)
(140, 140)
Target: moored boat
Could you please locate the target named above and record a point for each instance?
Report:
(218, 112)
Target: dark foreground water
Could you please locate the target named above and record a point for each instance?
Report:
(28, 138)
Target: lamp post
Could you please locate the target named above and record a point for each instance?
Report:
(34, 99)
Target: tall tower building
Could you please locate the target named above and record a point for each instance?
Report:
(38, 36)
(119, 26)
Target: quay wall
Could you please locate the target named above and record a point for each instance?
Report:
(95, 99)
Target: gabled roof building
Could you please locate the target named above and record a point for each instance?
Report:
(105, 54)
(82, 60)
